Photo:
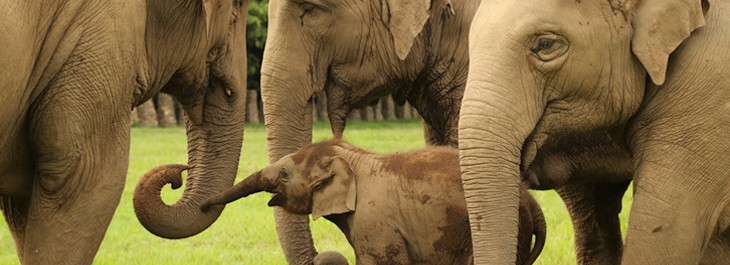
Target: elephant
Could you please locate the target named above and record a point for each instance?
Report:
(71, 72)
(401, 208)
(358, 52)
(644, 76)
(415, 50)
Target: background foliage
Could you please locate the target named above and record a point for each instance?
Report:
(256, 26)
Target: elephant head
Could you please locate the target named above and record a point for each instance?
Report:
(542, 70)
(196, 52)
(355, 51)
(321, 184)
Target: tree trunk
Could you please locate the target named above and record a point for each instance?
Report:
(147, 114)
(252, 107)
(407, 111)
(414, 113)
(166, 110)
(367, 113)
(355, 115)
(378, 110)
(398, 111)
(180, 113)
(388, 108)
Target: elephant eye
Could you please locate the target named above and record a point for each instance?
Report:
(308, 7)
(283, 175)
(549, 47)
(544, 44)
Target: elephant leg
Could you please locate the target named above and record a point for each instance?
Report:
(81, 153)
(672, 218)
(15, 210)
(390, 248)
(288, 223)
(594, 209)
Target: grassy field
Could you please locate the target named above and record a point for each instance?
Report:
(245, 233)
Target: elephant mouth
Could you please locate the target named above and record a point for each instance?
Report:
(276, 200)
(530, 148)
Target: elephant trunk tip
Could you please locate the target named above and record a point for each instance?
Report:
(154, 214)
(207, 204)
(156, 178)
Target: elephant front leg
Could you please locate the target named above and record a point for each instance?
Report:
(674, 215)
(81, 152)
(15, 210)
(594, 209)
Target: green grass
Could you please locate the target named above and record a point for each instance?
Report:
(245, 233)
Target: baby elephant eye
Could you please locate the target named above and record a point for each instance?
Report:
(283, 176)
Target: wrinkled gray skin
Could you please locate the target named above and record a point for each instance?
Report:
(401, 208)
(70, 73)
(648, 76)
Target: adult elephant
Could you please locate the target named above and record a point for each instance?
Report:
(358, 52)
(70, 73)
(545, 72)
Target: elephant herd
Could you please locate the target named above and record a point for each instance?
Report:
(583, 97)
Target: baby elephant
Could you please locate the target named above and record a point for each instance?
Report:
(402, 208)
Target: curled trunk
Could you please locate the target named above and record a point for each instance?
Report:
(214, 148)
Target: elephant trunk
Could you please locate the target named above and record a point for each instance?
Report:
(288, 119)
(497, 116)
(291, 74)
(540, 230)
(214, 148)
(288, 127)
(252, 184)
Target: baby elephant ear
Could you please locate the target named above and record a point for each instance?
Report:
(335, 189)
(407, 18)
(660, 26)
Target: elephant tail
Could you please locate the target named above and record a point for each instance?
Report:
(539, 230)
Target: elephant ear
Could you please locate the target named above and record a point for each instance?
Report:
(407, 18)
(334, 188)
(659, 27)
(207, 9)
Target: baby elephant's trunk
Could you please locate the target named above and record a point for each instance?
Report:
(539, 230)
(252, 184)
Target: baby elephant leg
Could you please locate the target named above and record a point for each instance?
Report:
(388, 249)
